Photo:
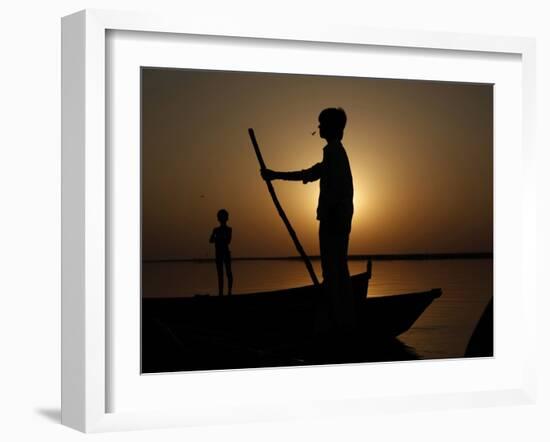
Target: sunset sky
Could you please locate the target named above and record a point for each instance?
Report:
(421, 155)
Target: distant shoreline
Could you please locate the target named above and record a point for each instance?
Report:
(375, 257)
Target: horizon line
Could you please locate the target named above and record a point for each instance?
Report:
(354, 257)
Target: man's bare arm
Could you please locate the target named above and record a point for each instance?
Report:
(269, 175)
(307, 175)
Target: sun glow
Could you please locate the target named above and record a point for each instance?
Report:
(422, 170)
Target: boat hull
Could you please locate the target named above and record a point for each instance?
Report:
(273, 328)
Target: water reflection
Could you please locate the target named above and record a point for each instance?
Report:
(442, 331)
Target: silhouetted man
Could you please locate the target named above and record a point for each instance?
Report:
(334, 212)
(221, 237)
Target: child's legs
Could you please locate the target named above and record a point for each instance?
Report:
(229, 272)
(219, 269)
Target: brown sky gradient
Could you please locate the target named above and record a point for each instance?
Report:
(421, 155)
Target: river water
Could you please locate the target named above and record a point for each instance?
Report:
(442, 331)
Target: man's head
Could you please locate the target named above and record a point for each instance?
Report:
(223, 216)
(332, 122)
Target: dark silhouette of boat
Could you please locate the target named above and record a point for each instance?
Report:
(481, 341)
(274, 328)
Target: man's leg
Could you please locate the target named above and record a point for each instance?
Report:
(328, 244)
(324, 315)
(344, 282)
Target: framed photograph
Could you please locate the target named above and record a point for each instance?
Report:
(265, 223)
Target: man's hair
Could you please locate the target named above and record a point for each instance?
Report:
(334, 120)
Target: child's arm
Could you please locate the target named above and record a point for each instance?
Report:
(229, 233)
(213, 236)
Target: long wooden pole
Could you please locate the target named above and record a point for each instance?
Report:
(282, 214)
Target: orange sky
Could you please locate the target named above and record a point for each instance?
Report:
(421, 155)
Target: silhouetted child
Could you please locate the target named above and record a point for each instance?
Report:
(221, 237)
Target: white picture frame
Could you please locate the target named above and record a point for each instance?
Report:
(86, 356)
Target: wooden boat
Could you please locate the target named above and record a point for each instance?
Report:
(270, 328)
